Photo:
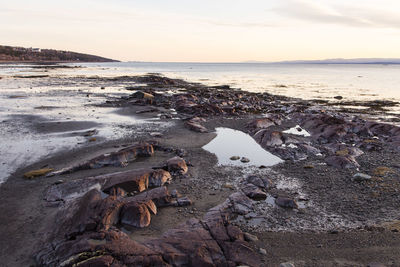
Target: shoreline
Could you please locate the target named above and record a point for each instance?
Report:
(286, 234)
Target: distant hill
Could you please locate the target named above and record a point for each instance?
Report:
(335, 61)
(347, 61)
(21, 54)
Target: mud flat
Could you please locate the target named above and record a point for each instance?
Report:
(321, 188)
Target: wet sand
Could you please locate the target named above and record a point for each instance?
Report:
(342, 222)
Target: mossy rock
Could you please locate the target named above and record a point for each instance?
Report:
(36, 173)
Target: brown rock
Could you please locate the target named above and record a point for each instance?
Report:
(136, 180)
(160, 196)
(254, 192)
(266, 137)
(136, 214)
(119, 158)
(142, 95)
(344, 162)
(261, 123)
(118, 192)
(196, 127)
(159, 177)
(177, 164)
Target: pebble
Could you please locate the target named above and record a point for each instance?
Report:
(234, 158)
(245, 160)
(249, 237)
(156, 134)
(263, 251)
(229, 186)
(361, 177)
(286, 264)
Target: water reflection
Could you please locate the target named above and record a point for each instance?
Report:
(229, 142)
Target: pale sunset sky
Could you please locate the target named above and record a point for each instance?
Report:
(206, 31)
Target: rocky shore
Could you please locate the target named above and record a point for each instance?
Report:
(159, 199)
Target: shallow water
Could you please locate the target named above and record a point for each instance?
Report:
(229, 142)
(31, 109)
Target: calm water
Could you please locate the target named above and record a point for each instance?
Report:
(352, 81)
(229, 142)
(298, 80)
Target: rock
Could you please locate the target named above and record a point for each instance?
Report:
(36, 173)
(98, 261)
(241, 204)
(244, 160)
(249, 237)
(264, 183)
(175, 193)
(196, 127)
(156, 134)
(159, 177)
(120, 158)
(268, 138)
(284, 202)
(142, 95)
(254, 192)
(177, 164)
(263, 251)
(359, 177)
(77, 217)
(308, 166)
(136, 214)
(212, 241)
(286, 264)
(118, 192)
(183, 201)
(160, 196)
(261, 123)
(339, 97)
(229, 186)
(342, 162)
(234, 158)
(135, 180)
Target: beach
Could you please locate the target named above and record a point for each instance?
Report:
(326, 194)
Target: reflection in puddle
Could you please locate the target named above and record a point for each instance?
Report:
(297, 130)
(231, 142)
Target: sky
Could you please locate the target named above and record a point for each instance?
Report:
(206, 31)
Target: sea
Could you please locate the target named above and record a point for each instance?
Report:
(36, 97)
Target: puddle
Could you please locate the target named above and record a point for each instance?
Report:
(297, 130)
(229, 142)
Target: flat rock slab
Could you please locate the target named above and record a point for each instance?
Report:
(128, 181)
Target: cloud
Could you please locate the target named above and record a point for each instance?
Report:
(354, 16)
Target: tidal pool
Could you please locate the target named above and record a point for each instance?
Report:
(229, 142)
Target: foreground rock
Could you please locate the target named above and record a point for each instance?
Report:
(120, 158)
(131, 181)
(84, 236)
